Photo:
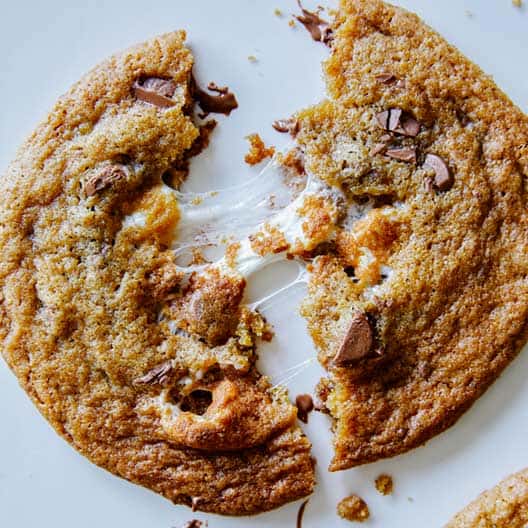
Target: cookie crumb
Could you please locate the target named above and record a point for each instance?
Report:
(277, 12)
(291, 23)
(353, 508)
(252, 58)
(517, 3)
(257, 150)
(384, 484)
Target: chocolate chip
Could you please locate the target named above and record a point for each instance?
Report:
(407, 154)
(358, 341)
(318, 28)
(443, 179)
(300, 513)
(155, 91)
(157, 376)
(195, 502)
(386, 78)
(408, 126)
(305, 406)
(377, 148)
(223, 103)
(395, 120)
(106, 177)
(290, 126)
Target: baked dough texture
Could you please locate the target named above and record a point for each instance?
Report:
(504, 506)
(86, 272)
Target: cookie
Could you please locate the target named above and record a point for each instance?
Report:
(423, 301)
(88, 279)
(504, 506)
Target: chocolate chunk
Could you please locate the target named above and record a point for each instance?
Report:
(407, 154)
(155, 91)
(290, 126)
(105, 178)
(223, 103)
(395, 120)
(300, 513)
(386, 78)
(443, 179)
(318, 28)
(358, 341)
(157, 376)
(377, 148)
(305, 406)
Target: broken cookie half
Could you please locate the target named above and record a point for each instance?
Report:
(425, 300)
(144, 367)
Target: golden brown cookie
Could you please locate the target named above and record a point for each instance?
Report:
(424, 300)
(88, 282)
(504, 506)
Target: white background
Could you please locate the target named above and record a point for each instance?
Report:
(48, 45)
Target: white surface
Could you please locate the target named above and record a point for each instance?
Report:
(46, 46)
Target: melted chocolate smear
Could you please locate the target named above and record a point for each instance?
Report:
(318, 28)
(305, 406)
(223, 103)
(300, 513)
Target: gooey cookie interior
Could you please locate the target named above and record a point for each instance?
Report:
(404, 199)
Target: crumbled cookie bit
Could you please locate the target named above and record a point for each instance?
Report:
(318, 28)
(252, 58)
(158, 375)
(270, 240)
(277, 12)
(257, 150)
(106, 177)
(291, 23)
(286, 126)
(300, 513)
(443, 179)
(384, 484)
(353, 508)
(517, 3)
(358, 341)
(223, 103)
(231, 253)
(305, 406)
